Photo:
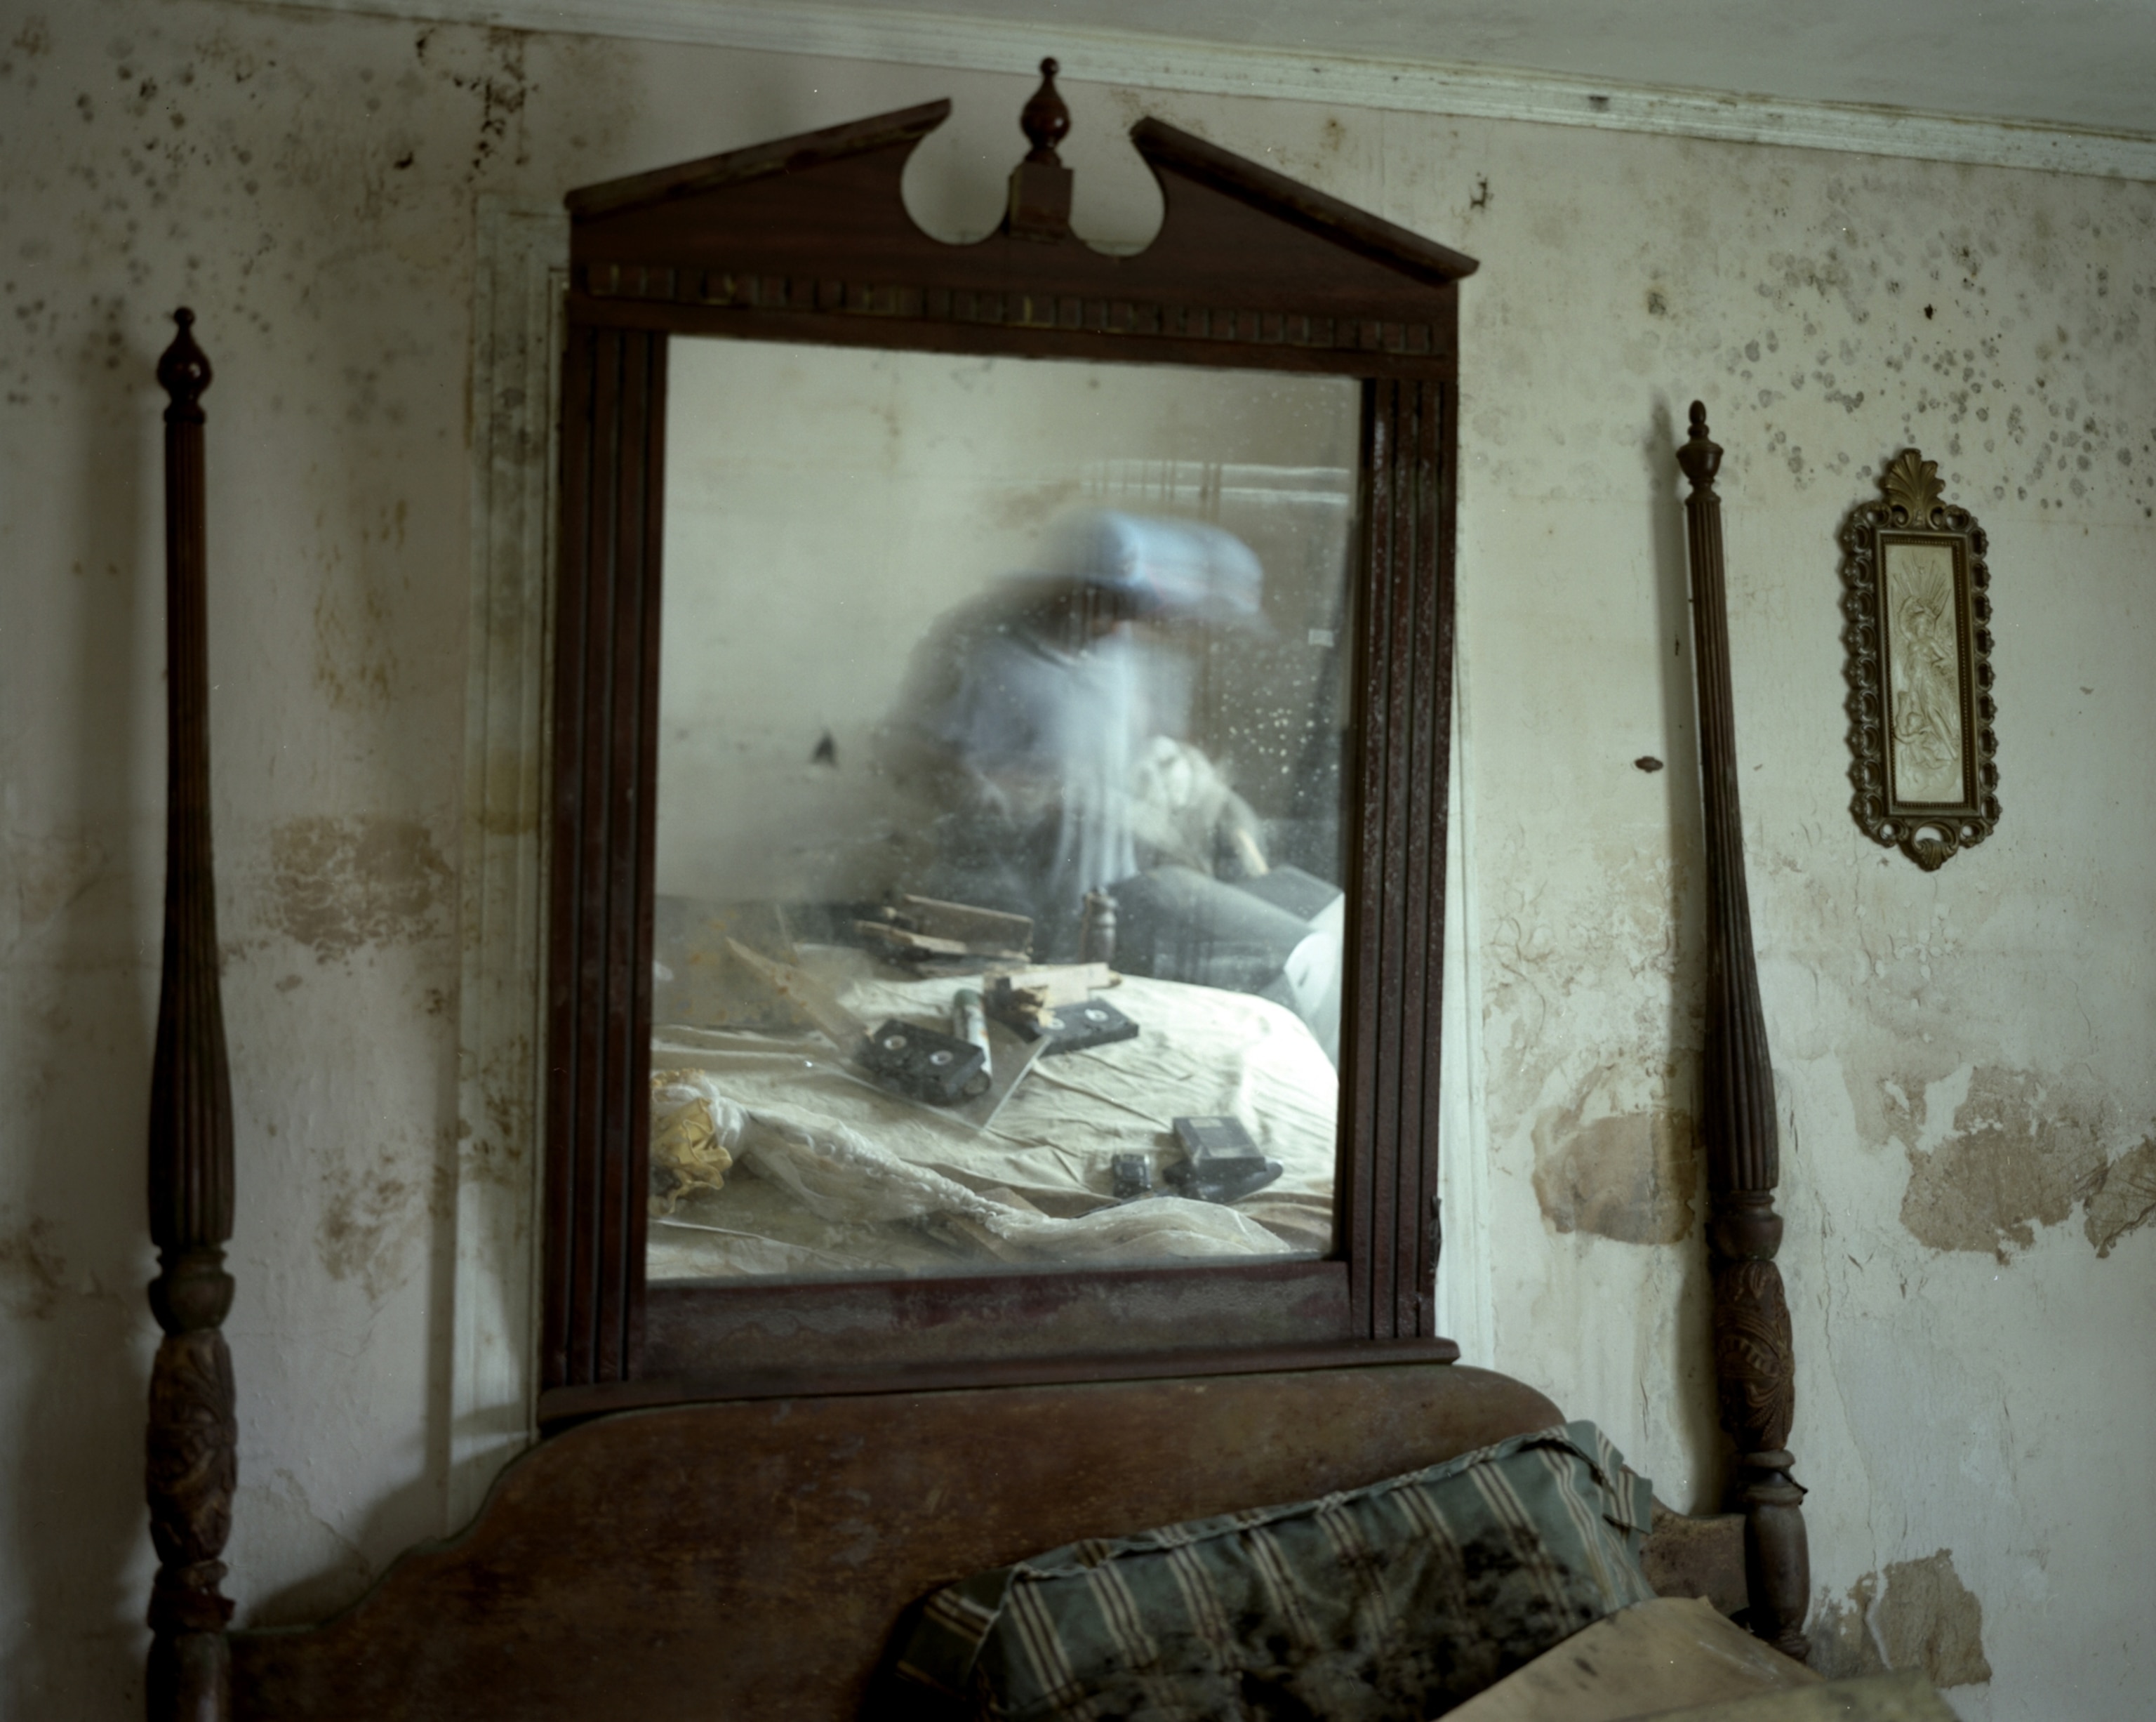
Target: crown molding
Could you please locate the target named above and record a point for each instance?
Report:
(1092, 55)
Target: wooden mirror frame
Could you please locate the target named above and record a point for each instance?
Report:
(807, 240)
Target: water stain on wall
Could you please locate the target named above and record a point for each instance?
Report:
(1918, 1614)
(352, 661)
(52, 871)
(372, 1215)
(32, 1273)
(2021, 1154)
(338, 884)
(1632, 1176)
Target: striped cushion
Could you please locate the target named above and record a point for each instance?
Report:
(1398, 1600)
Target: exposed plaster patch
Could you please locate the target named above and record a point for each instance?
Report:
(2124, 1198)
(1631, 1177)
(1929, 1619)
(32, 1273)
(2020, 1154)
(336, 885)
(1916, 1615)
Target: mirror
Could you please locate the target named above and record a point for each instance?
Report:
(979, 671)
(1002, 709)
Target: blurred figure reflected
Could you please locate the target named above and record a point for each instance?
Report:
(1044, 725)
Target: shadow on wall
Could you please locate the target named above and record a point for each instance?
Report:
(74, 1258)
(1688, 922)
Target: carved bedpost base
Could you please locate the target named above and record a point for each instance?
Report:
(1777, 1564)
(193, 1466)
(1755, 1368)
(190, 1677)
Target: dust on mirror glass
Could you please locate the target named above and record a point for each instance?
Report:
(1003, 706)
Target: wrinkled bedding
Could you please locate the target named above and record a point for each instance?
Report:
(828, 1174)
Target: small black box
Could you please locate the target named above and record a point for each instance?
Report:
(1072, 1028)
(1225, 1164)
(925, 1063)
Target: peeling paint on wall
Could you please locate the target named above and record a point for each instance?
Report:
(2021, 1151)
(338, 884)
(2020, 1155)
(2124, 1197)
(1918, 1614)
(1631, 1176)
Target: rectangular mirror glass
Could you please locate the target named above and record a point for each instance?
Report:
(999, 840)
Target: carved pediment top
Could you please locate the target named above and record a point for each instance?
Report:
(1236, 231)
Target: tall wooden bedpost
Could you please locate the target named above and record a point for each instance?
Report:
(193, 1438)
(1754, 1362)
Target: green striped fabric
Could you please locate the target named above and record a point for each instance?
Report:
(1399, 1600)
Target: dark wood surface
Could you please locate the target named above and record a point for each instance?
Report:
(193, 1438)
(991, 1319)
(566, 1405)
(807, 238)
(749, 1560)
(1754, 1354)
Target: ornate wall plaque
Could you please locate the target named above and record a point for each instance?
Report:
(1919, 640)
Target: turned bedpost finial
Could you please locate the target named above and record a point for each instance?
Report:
(1699, 459)
(1044, 119)
(184, 373)
(1040, 184)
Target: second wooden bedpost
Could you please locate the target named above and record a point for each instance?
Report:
(193, 1437)
(1754, 1360)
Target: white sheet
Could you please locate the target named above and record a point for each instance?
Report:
(835, 1175)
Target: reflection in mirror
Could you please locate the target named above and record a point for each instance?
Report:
(1003, 706)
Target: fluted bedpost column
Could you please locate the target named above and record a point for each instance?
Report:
(1754, 1362)
(192, 1436)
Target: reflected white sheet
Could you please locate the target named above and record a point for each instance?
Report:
(1200, 1050)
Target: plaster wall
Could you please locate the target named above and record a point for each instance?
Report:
(1964, 1058)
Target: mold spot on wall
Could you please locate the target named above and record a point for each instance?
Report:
(32, 1273)
(2019, 1155)
(1631, 1177)
(1916, 1615)
(338, 884)
(2124, 1197)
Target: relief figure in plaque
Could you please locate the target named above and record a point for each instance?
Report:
(1925, 666)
